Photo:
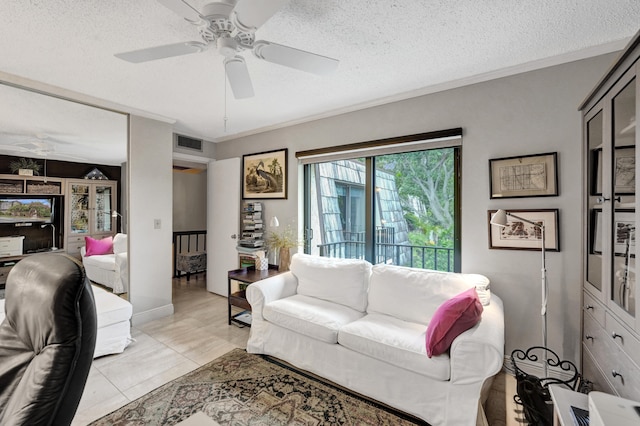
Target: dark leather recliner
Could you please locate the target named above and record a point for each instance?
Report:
(46, 340)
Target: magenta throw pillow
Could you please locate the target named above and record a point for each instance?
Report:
(95, 247)
(452, 318)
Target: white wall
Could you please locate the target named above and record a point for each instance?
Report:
(150, 198)
(529, 113)
(189, 201)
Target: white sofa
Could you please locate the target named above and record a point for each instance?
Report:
(114, 326)
(364, 327)
(111, 270)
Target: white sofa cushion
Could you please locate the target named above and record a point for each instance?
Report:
(102, 261)
(342, 281)
(312, 317)
(412, 294)
(397, 342)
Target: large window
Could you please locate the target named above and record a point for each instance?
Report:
(398, 208)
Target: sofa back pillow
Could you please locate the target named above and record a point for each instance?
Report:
(412, 294)
(342, 281)
(120, 243)
(96, 247)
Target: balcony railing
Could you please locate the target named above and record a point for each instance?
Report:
(425, 257)
(187, 242)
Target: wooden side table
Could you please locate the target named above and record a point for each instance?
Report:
(237, 296)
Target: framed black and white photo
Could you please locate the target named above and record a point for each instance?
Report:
(264, 175)
(520, 235)
(524, 176)
(624, 229)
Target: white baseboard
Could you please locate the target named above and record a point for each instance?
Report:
(152, 314)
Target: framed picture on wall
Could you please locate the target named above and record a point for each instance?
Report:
(524, 176)
(264, 175)
(520, 235)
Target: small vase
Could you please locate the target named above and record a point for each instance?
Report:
(285, 259)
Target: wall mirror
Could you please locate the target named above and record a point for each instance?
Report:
(65, 138)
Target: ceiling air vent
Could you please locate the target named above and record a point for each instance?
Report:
(188, 143)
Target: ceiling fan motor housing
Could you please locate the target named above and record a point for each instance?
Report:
(217, 10)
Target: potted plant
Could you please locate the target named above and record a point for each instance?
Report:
(25, 166)
(282, 241)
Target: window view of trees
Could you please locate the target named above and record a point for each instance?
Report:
(425, 181)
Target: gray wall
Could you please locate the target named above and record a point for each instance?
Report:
(150, 200)
(189, 201)
(528, 113)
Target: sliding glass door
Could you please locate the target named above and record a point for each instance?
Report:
(400, 208)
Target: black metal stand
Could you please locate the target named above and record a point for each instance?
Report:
(533, 392)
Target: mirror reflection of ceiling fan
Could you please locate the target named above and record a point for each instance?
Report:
(229, 25)
(39, 146)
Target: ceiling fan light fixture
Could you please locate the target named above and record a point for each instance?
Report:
(227, 46)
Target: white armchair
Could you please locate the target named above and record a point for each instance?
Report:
(111, 270)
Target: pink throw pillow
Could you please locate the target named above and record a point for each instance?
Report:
(452, 318)
(95, 247)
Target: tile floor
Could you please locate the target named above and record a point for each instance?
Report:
(194, 335)
(164, 349)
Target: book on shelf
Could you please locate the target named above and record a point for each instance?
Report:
(251, 243)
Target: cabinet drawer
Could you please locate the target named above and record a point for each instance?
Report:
(74, 244)
(76, 239)
(591, 371)
(622, 373)
(597, 340)
(625, 340)
(594, 308)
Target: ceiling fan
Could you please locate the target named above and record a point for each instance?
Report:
(229, 25)
(39, 146)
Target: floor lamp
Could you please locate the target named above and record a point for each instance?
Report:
(114, 215)
(500, 219)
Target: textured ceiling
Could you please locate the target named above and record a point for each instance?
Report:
(385, 48)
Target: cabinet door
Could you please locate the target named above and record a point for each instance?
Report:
(79, 208)
(103, 203)
(623, 244)
(594, 133)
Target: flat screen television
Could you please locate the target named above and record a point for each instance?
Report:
(25, 209)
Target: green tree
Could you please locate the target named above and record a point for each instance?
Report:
(425, 178)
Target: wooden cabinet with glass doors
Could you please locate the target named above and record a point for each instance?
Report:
(89, 207)
(611, 327)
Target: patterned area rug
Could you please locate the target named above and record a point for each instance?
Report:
(245, 389)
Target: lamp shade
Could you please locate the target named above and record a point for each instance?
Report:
(499, 218)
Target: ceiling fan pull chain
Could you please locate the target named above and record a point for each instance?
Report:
(225, 99)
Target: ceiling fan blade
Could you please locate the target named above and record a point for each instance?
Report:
(238, 77)
(294, 58)
(249, 15)
(161, 52)
(181, 8)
